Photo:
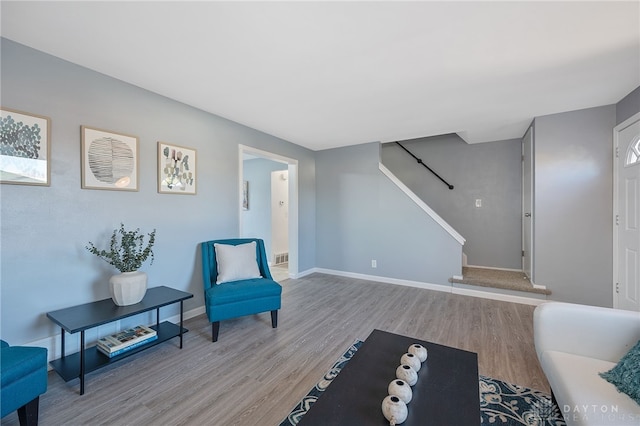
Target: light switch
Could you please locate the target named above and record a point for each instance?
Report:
(478, 203)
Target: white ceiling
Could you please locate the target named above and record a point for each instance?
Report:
(329, 74)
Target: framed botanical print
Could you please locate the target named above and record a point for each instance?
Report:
(109, 160)
(176, 169)
(25, 148)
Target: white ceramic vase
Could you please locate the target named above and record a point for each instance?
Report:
(411, 360)
(128, 288)
(394, 410)
(406, 373)
(401, 389)
(419, 351)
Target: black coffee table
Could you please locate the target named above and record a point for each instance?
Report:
(446, 393)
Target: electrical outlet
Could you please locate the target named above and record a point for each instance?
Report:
(374, 263)
(478, 203)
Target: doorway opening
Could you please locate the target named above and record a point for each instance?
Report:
(268, 206)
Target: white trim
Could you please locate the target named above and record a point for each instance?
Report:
(52, 343)
(303, 273)
(293, 197)
(616, 132)
(436, 287)
(440, 221)
(493, 268)
(386, 280)
(266, 154)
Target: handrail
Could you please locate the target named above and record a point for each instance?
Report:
(419, 160)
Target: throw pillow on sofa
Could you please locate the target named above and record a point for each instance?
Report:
(625, 376)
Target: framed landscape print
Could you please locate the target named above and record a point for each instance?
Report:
(109, 160)
(176, 169)
(25, 148)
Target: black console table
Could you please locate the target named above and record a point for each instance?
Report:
(90, 315)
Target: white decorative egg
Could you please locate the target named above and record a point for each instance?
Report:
(406, 373)
(401, 389)
(411, 360)
(394, 410)
(419, 351)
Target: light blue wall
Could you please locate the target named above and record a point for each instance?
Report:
(491, 172)
(256, 222)
(573, 172)
(44, 265)
(363, 216)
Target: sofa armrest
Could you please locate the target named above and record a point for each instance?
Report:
(595, 332)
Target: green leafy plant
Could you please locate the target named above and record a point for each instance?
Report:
(127, 251)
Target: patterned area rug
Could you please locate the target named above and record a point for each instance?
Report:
(501, 403)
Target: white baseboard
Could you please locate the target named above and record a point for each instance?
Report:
(436, 287)
(53, 343)
(387, 280)
(303, 273)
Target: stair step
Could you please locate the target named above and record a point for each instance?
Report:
(500, 279)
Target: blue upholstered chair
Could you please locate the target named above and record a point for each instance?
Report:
(23, 377)
(235, 285)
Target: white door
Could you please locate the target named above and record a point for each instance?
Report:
(626, 257)
(527, 203)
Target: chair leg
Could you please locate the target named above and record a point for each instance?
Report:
(274, 319)
(215, 330)
(28, 413)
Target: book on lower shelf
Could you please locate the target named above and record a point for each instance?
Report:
(125, 338)
(111, 354)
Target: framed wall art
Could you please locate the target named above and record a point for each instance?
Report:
(245, 195)
(176, 169)
(25, 148)
(109, 160)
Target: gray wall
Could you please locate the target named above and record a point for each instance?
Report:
(44, 265)
(628, 106)
(573, 205)
(362, 216)
(490, 171)
(256, 222)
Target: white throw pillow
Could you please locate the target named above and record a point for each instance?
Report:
(236, 262)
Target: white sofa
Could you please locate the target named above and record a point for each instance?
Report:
(576, 342)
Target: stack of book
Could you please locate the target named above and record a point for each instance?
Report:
(126, 340)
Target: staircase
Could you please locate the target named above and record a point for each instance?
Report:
(499, 281)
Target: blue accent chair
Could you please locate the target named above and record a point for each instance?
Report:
(238, 298)
(23, 378)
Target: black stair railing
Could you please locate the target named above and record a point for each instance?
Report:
(419, 160)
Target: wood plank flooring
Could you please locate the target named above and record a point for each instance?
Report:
(254, 374)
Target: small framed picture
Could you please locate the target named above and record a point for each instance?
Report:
(109, 160)
(25, 148)
(176, 169)
(245, 195)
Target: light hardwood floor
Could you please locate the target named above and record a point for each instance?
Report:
(254, 374)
